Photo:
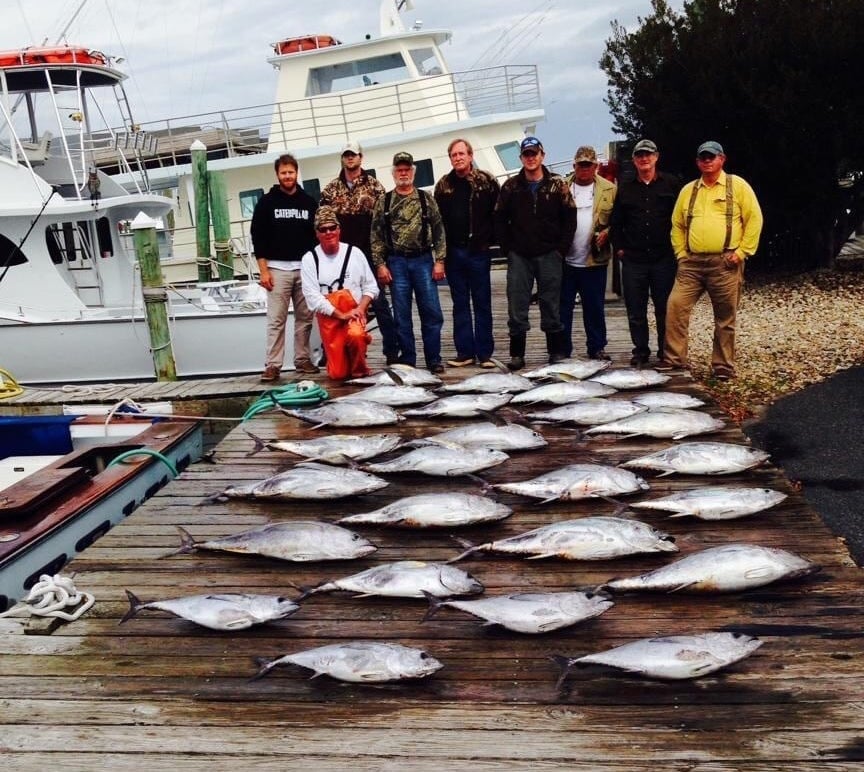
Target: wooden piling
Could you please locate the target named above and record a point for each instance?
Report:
(221, 226)
(200, 184)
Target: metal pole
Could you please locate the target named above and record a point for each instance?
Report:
(200, 184)
(221, 226)
(155, 297)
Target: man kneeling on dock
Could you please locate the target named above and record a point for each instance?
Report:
(338, 286)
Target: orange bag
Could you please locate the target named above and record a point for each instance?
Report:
(344, 343)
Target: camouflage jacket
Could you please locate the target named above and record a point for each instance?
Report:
(406, 228)
(484, 194)
(354, 206)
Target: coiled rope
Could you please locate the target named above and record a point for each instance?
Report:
(50, 595)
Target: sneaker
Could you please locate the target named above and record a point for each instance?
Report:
(601, 354)
(460, 361)
(554, 359)
(516, 363)
(437, 368)
(638, 360)
(271, 373)
(392, 359)
(305, 366)
(488, 364)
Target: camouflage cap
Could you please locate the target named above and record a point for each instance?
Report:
(403, 159)
(586, 153)
(326, 215)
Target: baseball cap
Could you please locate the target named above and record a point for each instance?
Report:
(403, 158)
(326, 215)
(531, 143)
(711, 147)
(586, 153)
(352, 147)
(644, 146)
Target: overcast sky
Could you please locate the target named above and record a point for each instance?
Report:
(190, 56)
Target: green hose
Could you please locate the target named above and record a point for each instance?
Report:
(145, 452)
(292, 395)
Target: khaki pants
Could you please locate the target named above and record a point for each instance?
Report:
(287, 289)
(697, 274)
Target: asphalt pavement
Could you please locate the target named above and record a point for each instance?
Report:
(817, 437)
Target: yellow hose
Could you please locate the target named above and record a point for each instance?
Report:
(8, 385)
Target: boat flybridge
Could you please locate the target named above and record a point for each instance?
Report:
(389, 93)
(71, 305)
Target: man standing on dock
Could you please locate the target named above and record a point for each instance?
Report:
(716, 226)
(535, 219)
(639, 231)
(353, 195)
(282, 232)
(466, 197)
(408, 250)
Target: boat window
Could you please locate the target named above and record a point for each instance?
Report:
(508, 152)
(10, 254)
(423, 176)
(386, 68)
(313, 188)
(103, 235)
(425, 61)
(248, 200)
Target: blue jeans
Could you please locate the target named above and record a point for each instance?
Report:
(386, 326)
(414, 274)
(470, 285)
(590, 285)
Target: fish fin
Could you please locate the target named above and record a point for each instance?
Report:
(435, 604)
(683, 514)
(134, 606)
(494, 418)
(394, 376)
(681, 587)
(476, 478)
(551, 498)
(188, 545)
(499, 364)
(667, 473)
(264, 667)
(566, 664)
(620, 507)
(541, 557)
(259, 444)
(365, 595)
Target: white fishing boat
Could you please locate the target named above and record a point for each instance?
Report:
(389, 93)
(71, 305)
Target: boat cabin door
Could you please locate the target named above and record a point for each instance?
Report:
(74, 249)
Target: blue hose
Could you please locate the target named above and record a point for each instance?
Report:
(292, 395)
(145, 452)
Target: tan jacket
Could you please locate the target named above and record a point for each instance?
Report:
(604, 200)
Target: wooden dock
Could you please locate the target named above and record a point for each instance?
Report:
(163, 694)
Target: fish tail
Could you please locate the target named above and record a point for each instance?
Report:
(188, 545)
(264, 667)
(259, 444)
(470, 549)
(213, 498)
(134, 606)
(434, 605)
(566, 665)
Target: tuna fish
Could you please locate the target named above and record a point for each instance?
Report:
(655, 399)
(333, 448)
(532, 613)
(670, 422)
(404, 579)
(224, 611)
(403, 375)
(728, 568)
(718, 503)
(486, 434)
(589, 412)
(309, 480)
(672, 657)
(575, 368)
(392, 395)
(460, 406)
(355, 412)
(630, 378)
(577, 481)
(434, 510)
(490, 383)
(299, 541)
(588, 538)
(700, 458)
(563, 392)
(442, 460)
(360, 662)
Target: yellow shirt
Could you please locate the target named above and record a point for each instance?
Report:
(708, 226)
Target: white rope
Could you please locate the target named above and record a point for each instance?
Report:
(50, 595)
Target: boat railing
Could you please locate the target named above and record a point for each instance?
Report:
(377, 109)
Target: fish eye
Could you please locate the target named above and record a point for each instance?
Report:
(282, 599)
(424, 655)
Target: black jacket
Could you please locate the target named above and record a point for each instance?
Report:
(283, 226)
(641, 220)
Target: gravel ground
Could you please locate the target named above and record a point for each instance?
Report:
(792, 332)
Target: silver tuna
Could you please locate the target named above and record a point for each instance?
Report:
(392, 395)
(403, 375)
(434, 510)
(667, 423)
(562, 392)
(577, 481)
(404, 579)
(700, 458)
(589, 412)
(333, 448)
(531, 613)
(442, 460)
(490, 383)
(225, 611)
(460, 406)
(299, 541)
(588, 538)
(354, 412)
(655, 399)
(715, 503)
(728, 568)
(630, 378)
(309, 480)
(360, 662)
(575, 368)
(672, 657)
(486, 434)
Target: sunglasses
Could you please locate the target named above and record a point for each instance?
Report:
(706, 157)
(328, 229)
(530, 153)
(584, 164)
(642, 153)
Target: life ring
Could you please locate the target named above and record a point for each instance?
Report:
(304, 43)
(25, 57)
